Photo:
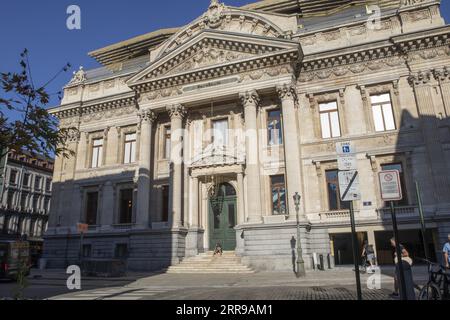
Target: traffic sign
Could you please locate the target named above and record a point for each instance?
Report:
(349, 185)
(347, 163)
(391, 188)
(345, 148)
(82, 227)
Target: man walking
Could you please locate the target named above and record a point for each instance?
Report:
(446, 252)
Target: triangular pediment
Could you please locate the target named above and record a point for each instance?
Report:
(213, 49)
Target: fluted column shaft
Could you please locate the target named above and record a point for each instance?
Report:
(287, 95)
(250, 102)
(177, 113)
(144, 178)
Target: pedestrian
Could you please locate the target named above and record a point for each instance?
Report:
(218, 250)
(369, 253)
(407, 263)
(446, 252)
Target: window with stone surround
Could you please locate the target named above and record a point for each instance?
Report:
(165, 203)
(383, 113)
(97, 153)
(329, 120)
(274, 127)
(334, 195)
(126, 206)
(26, 180)
(23, 200)
(91, 208)
(130, 148)
(220, 132)
(37, 183)
(167, 142)
(278, 188)
(13, 177)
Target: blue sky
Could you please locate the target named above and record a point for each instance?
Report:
(40, 26)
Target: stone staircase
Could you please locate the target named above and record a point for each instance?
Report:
(206, 263)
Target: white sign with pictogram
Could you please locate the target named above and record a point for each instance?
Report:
(390, 185)
(349, 185)
(346, 156)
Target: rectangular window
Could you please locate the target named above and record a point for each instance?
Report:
(126, 206)
(35, 203)
(167, 142)
(220, 132)
(121, 251)
(23, 200)
(274, 128)
(334, 195)
(37, 183)
(13, 177)
(383, 113)
(97, 153)
(278, 187)
(91, 208)
(46, 204)
(10, 199)
(329, 120)
(399, 167)
(130, 148)
(48, 184)
(26, 180)
(165, 203)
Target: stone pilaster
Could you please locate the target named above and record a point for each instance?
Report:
(443, 77)
(430, 127)
(288, 96)
(144, 177)
(195, 206)
(250, 101)
(177, 113)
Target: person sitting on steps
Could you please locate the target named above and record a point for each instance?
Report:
(218, 249)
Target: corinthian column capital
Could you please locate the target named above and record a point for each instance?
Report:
(147, 116)
(442, 75)
(287, 92)
(176, 111)
(250, 97)
(420, 78)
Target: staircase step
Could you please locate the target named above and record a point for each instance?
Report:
(208, 263)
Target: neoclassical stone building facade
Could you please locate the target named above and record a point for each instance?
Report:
(192, 136)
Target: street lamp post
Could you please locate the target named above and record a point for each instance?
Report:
(300, 262)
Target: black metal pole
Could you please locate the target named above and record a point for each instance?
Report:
(422, 222)
(355, 252)
(403, 295)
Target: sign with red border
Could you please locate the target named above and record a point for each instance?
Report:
(390, 185)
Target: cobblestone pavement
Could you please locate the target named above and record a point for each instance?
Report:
(272, 293)
(230, 294)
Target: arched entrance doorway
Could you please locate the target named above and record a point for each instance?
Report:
(223, 217)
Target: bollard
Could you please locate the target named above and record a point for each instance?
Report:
(321, 266)
(329, 261)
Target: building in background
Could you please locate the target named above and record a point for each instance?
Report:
(297, 77)
(26, 190)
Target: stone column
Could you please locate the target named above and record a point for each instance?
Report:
(443, 77)
(250, 101)
(288, 96)
(195, 206)
(176, 112)
(240, 200)
(430, 128)
(144, 175)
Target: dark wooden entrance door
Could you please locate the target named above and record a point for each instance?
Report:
(222, 218)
